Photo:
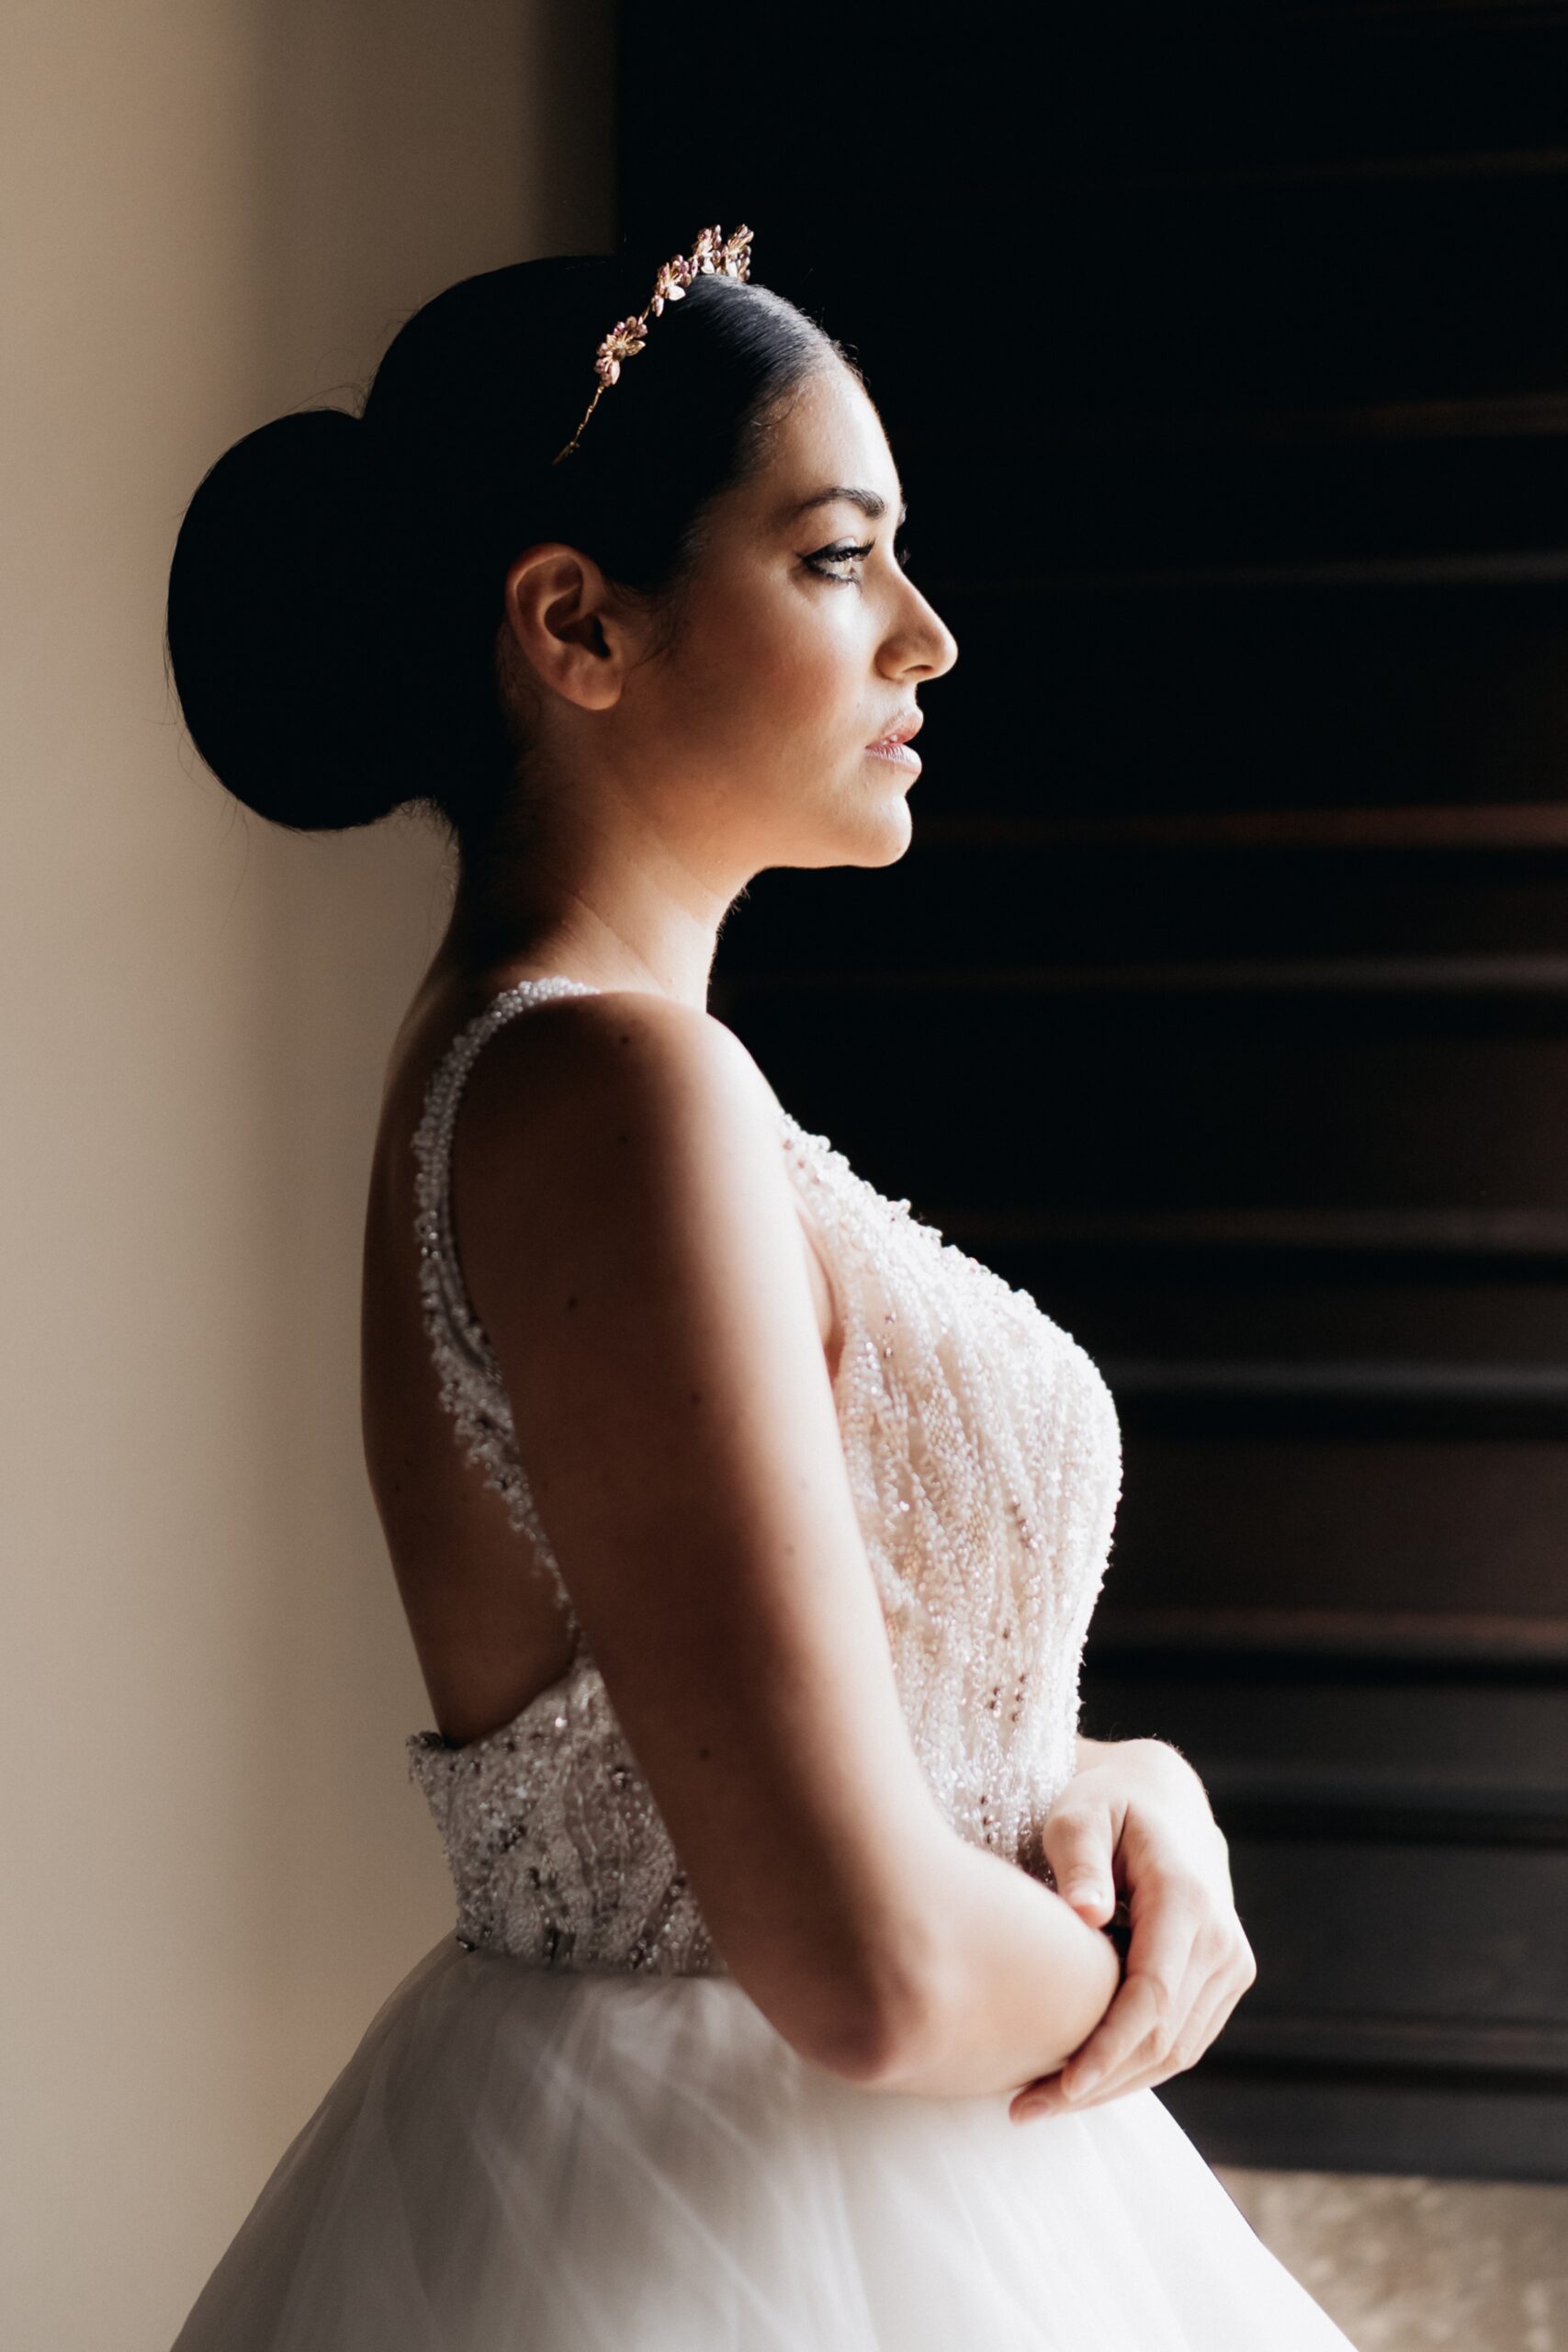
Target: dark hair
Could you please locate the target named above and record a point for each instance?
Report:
(335, 591)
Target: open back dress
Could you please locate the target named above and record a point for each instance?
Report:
(569, 2129)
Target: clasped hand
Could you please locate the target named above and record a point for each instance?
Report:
(1135, 1821)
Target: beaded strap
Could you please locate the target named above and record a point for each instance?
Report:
(471, 1386)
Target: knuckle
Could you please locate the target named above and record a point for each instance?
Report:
(1160, 1994)
(1112, 2037)
(1203, 2037)
(1071, 1821)
(1185, 1893)
(1231, 1955)
(1213, 1946)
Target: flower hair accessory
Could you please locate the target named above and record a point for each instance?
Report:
(713, 255)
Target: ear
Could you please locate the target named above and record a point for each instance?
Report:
(567, 624)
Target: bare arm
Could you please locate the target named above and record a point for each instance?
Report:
(629, 1237)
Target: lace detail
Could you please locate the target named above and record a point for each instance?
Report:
(985, 1463)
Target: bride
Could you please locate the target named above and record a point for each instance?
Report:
(813, 1977)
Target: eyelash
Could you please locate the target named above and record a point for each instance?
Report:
(845, 551)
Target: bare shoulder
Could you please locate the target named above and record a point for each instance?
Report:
(624, 1132)
(569, 1068)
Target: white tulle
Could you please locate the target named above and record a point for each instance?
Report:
(518, 2161)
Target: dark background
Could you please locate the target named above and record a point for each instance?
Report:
(1222, 1000)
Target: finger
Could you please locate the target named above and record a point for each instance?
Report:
(1142, 2070)
(1152, 2003)
(1229, 1991)
(1214, 1984)
(1216, 1998)
(1079, 1844)
(1211, 2014)
(1092, 2082)
(1179, 2059)
(1178, 2042)
(1038, 2098)
(1208, 1996)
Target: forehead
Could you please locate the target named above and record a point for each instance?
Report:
(830, 433)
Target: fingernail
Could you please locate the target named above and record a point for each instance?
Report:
(1081, 2085)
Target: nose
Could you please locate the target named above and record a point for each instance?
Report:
(923, 646)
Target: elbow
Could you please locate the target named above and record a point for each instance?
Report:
(864, 2047)
(884, 2037)
(863, 1991)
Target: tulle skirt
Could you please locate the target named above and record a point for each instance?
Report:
(520, 2161)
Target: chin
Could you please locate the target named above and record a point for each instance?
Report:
(896, 837)
(875, 837)
(850, 826)
(876, 827)
(889, 831)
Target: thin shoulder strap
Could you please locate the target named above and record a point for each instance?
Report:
(468, 1374)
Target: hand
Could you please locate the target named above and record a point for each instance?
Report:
(1137, 1819)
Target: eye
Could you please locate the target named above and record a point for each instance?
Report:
(902, 552)
(836, 563)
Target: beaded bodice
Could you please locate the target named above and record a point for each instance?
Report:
(982, 1455)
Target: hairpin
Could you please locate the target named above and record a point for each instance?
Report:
(713, 255)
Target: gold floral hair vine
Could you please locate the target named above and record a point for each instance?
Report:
(713, 255)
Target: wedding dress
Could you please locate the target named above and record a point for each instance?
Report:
(569, 2130)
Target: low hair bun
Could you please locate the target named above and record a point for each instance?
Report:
(285, 629)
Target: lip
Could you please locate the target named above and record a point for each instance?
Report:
(902, 730)
(895, 755)
(895, 746)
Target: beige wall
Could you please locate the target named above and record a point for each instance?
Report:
(214, 1869)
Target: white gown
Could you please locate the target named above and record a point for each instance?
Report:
(568, 2129)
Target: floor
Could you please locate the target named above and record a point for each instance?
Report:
(1420, 2265)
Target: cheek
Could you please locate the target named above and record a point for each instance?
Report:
(799, 665)
(768, 677)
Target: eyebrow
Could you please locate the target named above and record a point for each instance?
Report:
(871, 502)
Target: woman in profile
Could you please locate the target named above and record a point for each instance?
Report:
(748, 1532)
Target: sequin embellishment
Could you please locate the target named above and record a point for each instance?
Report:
(984, 1462)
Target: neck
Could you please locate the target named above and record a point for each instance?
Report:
(607, 916)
